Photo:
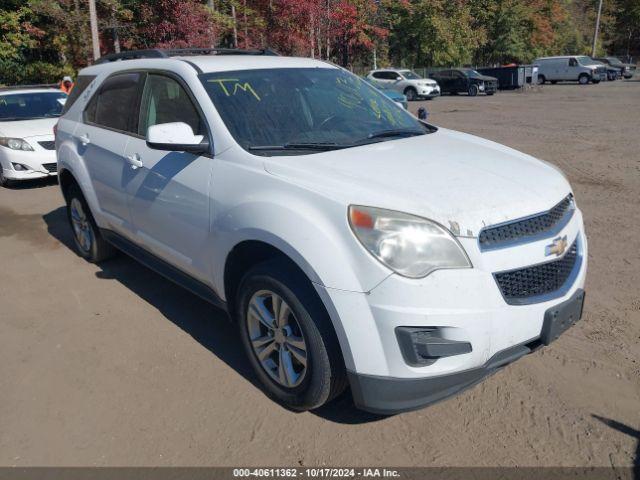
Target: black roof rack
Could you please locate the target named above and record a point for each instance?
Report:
(26, 87)
(180, 52)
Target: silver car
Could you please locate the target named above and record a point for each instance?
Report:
(412, 85)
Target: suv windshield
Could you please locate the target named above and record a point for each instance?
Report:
(27, 106)
(305, 110)
(409, 75)
(614, 61)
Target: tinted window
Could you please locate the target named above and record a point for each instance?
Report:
(26, 106)
(165, 101)
(274, 107)
(115, 103)
(409, 75)
(572, 62)
(81, 84)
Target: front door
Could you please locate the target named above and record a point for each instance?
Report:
(169, 192)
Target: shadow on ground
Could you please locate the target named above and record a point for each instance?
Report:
(30, 184)
(209, 326)
(627, 430)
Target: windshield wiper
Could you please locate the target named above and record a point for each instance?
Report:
(400, 132)
(320, 146)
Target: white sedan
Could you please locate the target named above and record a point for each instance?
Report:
(27, 143)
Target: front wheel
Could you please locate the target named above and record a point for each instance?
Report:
(4, 181)
(288, 337)
(411, 94)
(86, 235)
(583, 79)
(473, 90)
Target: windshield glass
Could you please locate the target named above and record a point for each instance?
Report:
(409, 75)
(26, 106)
(473, 73)
(305, 109)
(614, 61)
(584, 60)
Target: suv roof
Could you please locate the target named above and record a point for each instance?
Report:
(203, 60)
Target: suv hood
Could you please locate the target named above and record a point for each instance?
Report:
(28, 128)
(461, 181)
(485, 78)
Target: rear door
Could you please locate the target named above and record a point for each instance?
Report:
(169, 193)
(109, 121)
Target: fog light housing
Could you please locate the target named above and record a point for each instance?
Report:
(422, 346)
(19, 167)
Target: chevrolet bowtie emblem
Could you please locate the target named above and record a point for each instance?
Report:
(557, 248)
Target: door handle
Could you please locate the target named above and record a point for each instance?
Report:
(134, 161)
(84, 140)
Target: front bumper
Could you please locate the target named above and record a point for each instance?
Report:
(40, 163)
(429, 92)
(463, 306)
(385, 395)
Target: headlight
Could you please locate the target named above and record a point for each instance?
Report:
(411, 246)
(15, 144)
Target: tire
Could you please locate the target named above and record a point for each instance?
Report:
(4, 181)
(86, 234)
(583, 79)
(411, 94)
(595, 81)
(554, 82)
(490, 93)
(541, 79)
(473, 90)
(306, 333)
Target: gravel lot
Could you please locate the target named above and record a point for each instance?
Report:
(113, 365)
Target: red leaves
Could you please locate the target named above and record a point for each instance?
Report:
(177, 24)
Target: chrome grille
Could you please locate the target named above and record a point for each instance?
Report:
(50, 167)
(524, 285)
(48, 144)
(527, 228)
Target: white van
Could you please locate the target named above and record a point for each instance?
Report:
(580, 68)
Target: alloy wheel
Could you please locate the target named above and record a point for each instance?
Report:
(277, 339)
(81, 226)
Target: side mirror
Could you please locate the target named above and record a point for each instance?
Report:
(176, 137)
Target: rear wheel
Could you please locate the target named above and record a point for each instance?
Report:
(554, 82)
(541, 79)
(473, 90)
(86, 235)
(288, 337)
(411, 94)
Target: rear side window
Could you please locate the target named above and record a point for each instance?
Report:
(115, 104)
(82, 83)
(164, 100)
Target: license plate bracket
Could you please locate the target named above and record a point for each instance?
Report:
(560, 318)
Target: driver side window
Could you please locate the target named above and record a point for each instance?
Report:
(164, 100)
(573, 62)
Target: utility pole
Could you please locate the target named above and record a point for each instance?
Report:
(235, 26)
(95, 39)
(595, 34)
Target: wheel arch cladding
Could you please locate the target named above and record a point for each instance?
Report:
(249, 253)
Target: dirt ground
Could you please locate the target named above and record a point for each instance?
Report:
(113, 365)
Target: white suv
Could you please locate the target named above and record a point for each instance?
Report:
(352, 243)
(406, 81)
